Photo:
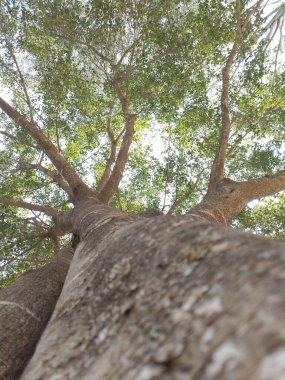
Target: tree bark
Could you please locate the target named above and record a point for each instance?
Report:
(165, 298)
(25, 308)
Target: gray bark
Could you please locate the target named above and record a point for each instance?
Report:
(25, 308)
(165, 298)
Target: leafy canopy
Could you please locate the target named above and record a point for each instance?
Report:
(58, 61)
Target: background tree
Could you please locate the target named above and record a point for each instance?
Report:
(89, 86)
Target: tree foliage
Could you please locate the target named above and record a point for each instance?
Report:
(67, 65)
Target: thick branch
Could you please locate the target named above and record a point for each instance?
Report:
(26, 307)
(30, 206)
(264, 186)
(98, 53)
(87, 45)
(228, 198)
(112, 157)
(51, 233)
(77, 185)
(123, 99)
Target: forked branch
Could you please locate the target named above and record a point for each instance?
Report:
(78, 187)
(111, 159)
(114, 180)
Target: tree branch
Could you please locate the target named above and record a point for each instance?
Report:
(86, 44)
(110, 161)
(99, 54)
(217, 172)
(18, 140)
(183, 198)
(22, 80)
(30, 206)
(229, 197)
(114, 180)
(264, 186)
(130, 48)
(56, 177)
(218, 167)
(79, 188)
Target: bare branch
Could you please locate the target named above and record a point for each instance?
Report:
(30, 206)
(56, 129)
(119, 200)
(100, 54)
(166, 175)
(279, 44)
(122, 97)
(115, 178)
(57, 244)
(271, 36)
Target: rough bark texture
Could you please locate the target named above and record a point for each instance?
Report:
(227, 198)
(25, 308)
(165, 298)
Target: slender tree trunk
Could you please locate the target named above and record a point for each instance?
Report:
(25, 308)
(165, 298)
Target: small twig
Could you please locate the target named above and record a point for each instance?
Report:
(56, 177)
(22, 80)
(18, 140)
(181, 199)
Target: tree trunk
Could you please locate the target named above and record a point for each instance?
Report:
(165, 298)
(25, 308)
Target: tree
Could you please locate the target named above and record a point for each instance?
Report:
(146, 297)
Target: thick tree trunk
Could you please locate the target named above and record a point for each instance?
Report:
(25, 308)
(165, 298)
